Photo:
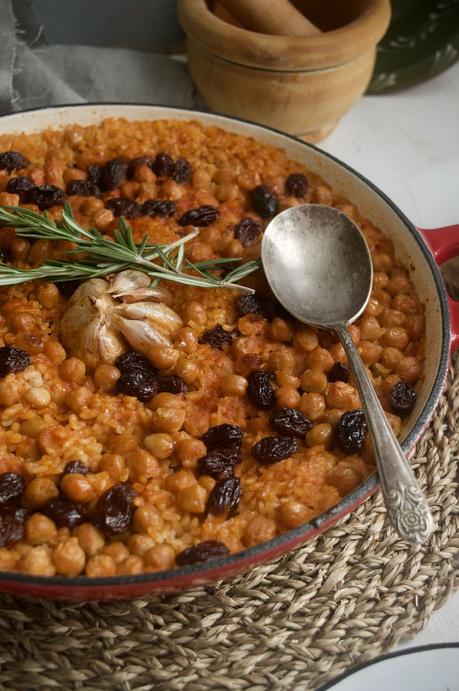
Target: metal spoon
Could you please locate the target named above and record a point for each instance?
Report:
(319, 267)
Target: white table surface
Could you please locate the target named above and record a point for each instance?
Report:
(407, 143)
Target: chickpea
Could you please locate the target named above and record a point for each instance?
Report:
(33, 426)
(48, 295)
(192, 498)
(91, 205)
(344, 477)
(39, 529)
(100, 566)
(392, 318)
(9, 392)
(201, 178)
(306, 339)
(414, 326)
(320, 359)
(196, 424)
(370, 328)
(100, 482)
(139, 544)
(374, 307)
(396, 337)
(406, 304)
(90, 538)
(102, 218)
(233, 385)
(146, 517)
(7, 199)
(251, 325)
(395, 422)
(38, 562)
(382, 262)
(282, 359)
(77, 488)
(38, 396)
(68, 557)
(312, 405)
(380, 280)
(142, 464)
(287, 396)
(163, 357)
(314, 381)
(341, 395)
(131, 566)
(390, 357)
(186, 339)
(187, 370)
(195, 314)
(207, 482)
(281, 330)
(74, 174)
(179, 480)
(409, 369)
(78, 398)
(167, 418)
(321, 434)
(161, 557)
(331, 415)
(106, 377)
(188, 451)
(293, 514)
(399, 283)
(115, 466)
(38, 492)
(51, 439)
(286, 379)
(19, 249)
(73, 370)
(323, 195)
(39, 252)
(369, 352)
(117, 551)
(259, 529)
(7, 559)
(161, 445)
(54, 351)
(354, 331)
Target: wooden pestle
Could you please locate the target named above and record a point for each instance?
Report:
(278, 17)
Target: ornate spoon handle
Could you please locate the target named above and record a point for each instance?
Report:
(407, 506)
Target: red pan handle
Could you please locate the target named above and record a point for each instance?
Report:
(444, 245)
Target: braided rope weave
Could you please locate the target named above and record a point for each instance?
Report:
(345, 597)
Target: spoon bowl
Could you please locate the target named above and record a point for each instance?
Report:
(318, 265)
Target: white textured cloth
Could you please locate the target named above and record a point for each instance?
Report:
(34, 75)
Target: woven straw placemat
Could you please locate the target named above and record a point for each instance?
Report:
(345, 597)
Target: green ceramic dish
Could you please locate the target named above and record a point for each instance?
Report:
(421, 42)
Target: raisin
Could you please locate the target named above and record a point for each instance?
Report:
(64, 513)
(163, 165)
(402, 398)
(171, 383)
(134, 361)
(181, 171)
(258, 304)
(221, 436)
(141, 384)
(201, 552)
(219, 462)
(264, 201)
(12, 486)
(339, 372)
(248, 231)
(94, 172)
(12, 527)
(45, 196)
(272, 449)
(112, 174)
(217, 337)
(75, 467)
(260, 389)
(225, 496)
(158, 207)
(135, 163)
(199, 217)
(83, 188)
(20, 186)
(290, 422)
(13, 160)
(351, 430)
(114, 508)
(296, 185)
(122, 206)
(13, 359)
(67, 288)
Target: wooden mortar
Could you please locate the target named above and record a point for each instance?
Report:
(301, 84)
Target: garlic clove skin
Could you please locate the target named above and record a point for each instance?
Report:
(161, 315)
(127, 281)
(141, 335)
(111, 346)
(142, 294)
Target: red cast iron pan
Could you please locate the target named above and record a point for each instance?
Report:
(421, 250)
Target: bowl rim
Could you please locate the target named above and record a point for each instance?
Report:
(296, 536)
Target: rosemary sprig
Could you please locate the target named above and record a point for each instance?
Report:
(104, 256)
